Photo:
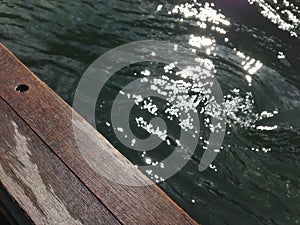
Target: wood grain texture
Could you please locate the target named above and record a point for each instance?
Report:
(51, 119)
(40, 183)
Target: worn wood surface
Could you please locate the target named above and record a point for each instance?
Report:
(50, 118)
(41, 184)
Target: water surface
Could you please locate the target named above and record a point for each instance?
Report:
(251, 48)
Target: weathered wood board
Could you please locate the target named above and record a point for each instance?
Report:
(42, 185)
(44, 171)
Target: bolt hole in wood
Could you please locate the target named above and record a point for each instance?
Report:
(22, 88)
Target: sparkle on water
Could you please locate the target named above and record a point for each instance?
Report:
(285, 15)
(255, 177)
(176, 86)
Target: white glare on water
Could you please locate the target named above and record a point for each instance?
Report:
(205, 14)
(285, 18)
(188, 90)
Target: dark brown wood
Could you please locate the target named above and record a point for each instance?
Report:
(40, 183)
(51, 119)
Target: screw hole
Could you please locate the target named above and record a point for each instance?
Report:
(22, 88)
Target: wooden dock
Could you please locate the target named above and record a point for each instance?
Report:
(44, 178)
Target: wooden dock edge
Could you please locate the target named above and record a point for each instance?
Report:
(61, 175)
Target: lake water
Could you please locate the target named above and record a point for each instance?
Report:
(250, 47)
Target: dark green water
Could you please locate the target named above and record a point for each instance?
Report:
(255, 178)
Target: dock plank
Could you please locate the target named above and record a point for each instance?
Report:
(51, 119)
(40, 183)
